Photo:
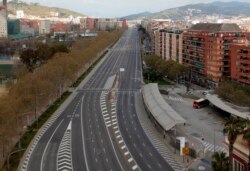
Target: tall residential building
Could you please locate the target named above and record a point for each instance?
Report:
(3, 22)
(206, 51)
(240, 63)
(87, 23)
(158, 42)
(172, 45)
(168, 44)
(44, 27)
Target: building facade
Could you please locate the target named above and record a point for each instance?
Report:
(240, 154)
(240, 63)
(13, 26)
(44, 27)
(168, 44)
(172, 45)
(158, 42)
(206, 51)
(3, 22)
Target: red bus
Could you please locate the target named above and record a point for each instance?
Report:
(200, 103)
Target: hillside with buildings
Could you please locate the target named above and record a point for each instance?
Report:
(138, 15)
(215, 9)
(36, 9)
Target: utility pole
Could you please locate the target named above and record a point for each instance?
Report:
(214, 140)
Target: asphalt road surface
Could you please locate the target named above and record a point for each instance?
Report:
(96, 132)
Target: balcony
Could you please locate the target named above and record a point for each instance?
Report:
(244, 61)
(244, 74)
(246, 68)
(244, 80)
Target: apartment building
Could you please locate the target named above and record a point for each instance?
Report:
(3, 22)
(240, 63)
(172, 45)
(240, 154)
(87, 23)
(206, 51)
(158, 42)
(168, 44)
(44, 27)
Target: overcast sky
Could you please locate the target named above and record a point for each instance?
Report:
(118, 8)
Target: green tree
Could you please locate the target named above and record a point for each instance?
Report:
(59, 48)
(30, 58)
(44, 52)
(233, 127)
(246, 136)
(220, 161)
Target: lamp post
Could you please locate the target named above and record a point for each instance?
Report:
(214, 140)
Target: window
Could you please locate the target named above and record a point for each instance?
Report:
(237, 166)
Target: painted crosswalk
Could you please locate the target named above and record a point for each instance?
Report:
(64, 156)
(175, 98)
(210, 147)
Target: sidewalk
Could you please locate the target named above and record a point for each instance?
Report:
(156, 138)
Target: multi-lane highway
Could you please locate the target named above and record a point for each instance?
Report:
(99, 129)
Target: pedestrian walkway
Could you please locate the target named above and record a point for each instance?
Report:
(155, 138)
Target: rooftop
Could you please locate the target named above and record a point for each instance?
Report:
(214, 27)
(164, 114)
(216, 101)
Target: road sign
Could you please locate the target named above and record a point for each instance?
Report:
(185, 150)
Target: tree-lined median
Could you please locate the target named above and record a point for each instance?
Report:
(36, 90)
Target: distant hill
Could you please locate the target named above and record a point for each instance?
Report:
(233, 8)
(136, 16)
(39, 10)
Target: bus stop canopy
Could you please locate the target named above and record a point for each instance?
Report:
(216, 101)
(164, 114)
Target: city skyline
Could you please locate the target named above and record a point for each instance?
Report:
(112, 8)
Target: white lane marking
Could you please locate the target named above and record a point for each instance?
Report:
(107, 122)
(83, 142)
(121, 141)
(126, 153)
(106, 118)
(134, 167)
(115, 127)
(123, 146)
(110, 139)
(46, 147)
(64, 156)
(130, 159)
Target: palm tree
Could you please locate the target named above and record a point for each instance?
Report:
(246, 136)
(233, 127)
(220, 161)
